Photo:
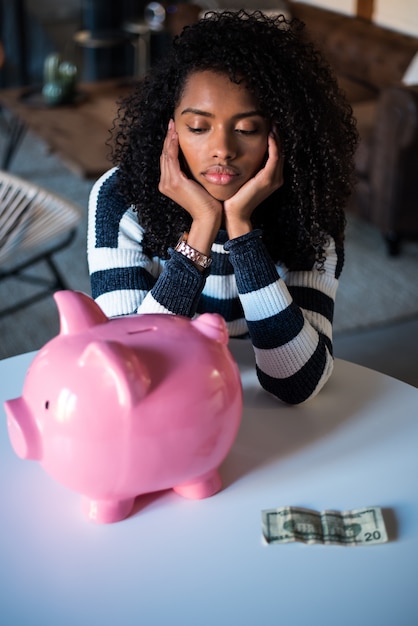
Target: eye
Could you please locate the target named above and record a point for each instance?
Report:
(246, 131)
(47, 404)
(195, 130)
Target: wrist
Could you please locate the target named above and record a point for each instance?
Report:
(202, 235)
(200, 260)
(238, 228)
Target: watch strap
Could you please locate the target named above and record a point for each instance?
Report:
(194, 255)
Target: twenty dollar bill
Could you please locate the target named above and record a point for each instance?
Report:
(349, 528)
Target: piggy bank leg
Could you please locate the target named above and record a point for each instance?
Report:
(106, 511)
(201, 487)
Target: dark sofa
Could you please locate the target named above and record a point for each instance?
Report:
(370, 62)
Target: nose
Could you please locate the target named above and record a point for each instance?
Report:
(223, 144)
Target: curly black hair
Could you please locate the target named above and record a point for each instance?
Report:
(296, 91)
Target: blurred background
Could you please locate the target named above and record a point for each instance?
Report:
(376, 319)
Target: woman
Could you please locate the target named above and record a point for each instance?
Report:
(240, 144)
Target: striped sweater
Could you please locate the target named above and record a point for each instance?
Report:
(287, 315)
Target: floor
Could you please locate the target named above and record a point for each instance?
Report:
(391, 349)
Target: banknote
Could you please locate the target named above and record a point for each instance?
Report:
(359, 527)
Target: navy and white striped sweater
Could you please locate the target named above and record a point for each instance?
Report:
(286, 314)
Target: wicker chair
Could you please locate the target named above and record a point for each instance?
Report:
(34, 225)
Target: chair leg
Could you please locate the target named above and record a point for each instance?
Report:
(15, 134)
(60, 281)
(50, 285)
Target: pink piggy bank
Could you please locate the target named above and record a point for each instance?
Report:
(115, 408)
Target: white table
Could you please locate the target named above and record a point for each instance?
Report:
(204, 563)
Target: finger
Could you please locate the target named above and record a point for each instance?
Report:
(274, 147)
(276, 136)
(169, 160)
(169, 164)
(171, 144)
(272, 164)
(275, 161)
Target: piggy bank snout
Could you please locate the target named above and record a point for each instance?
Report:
(23, 432)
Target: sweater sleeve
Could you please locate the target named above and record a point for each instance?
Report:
(289, 318)
(123, 278)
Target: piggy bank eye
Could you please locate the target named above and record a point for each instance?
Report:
(47, 404)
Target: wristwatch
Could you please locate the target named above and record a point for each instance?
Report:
(192, 254)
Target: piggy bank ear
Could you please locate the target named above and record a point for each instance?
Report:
(111, 363)
(77, 312)
(213, 326)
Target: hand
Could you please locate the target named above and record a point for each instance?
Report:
(239, 208)
(203, 208)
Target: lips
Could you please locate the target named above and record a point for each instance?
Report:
(220, 175)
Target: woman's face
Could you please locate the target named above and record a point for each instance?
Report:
(222, 133)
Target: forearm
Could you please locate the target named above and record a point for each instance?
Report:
(292, 345)
(123, 290)
(177, 289)
(125, 280)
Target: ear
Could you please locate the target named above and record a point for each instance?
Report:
(118, 365)
(77, 312)
(213, 326)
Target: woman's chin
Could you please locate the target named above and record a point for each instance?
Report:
(221, 192)
(222, 197)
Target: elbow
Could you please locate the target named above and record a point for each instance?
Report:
(302, 386)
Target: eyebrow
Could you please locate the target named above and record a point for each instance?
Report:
(211, 115)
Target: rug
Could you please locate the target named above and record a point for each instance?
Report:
(375, 288)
